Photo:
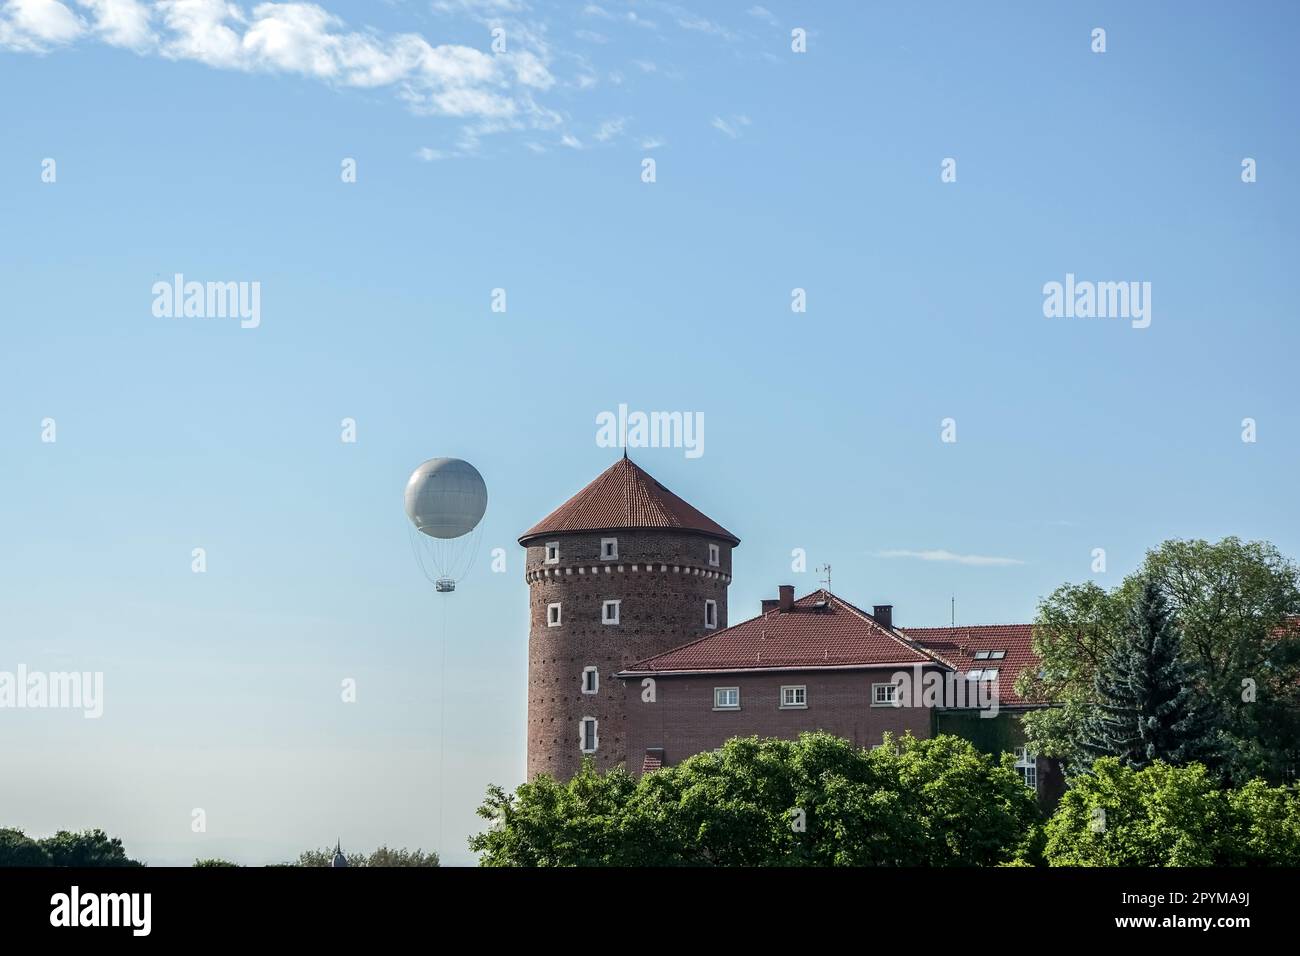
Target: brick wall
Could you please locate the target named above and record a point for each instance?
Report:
(683, 722)
(662, 579)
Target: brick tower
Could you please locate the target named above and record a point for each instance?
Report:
(621, 571)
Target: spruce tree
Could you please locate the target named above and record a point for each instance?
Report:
(1148, 705)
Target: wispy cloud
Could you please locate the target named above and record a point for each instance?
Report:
(980, 560)
(764, 14)
(610, 129)
(651, 142)
(295, 38)
(731, 127)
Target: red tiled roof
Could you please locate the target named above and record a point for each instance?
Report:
(958, 646)
(624, 495)
(841, 635)
(838, 635)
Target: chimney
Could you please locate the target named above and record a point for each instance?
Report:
(769, 604)
(884, 615)
(786, 599)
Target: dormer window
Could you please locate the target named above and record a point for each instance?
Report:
(608, 549)
(552, 552)
(710, 613)
(715, 556)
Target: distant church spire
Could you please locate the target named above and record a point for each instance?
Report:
(339, 858)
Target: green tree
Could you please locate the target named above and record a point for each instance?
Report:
(815, 801)
(18, 849)
(1164, 815)
(213, 861)
(384, 856)
(1232, 600)
(1146, 708)
(87, 848)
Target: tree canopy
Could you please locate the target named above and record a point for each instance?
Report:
(815, 801)
(1231, 601)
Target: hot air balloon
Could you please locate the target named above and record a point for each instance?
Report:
(445, 500)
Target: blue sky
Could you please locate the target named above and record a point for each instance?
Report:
(207, 139)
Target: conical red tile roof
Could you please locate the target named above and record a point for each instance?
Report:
(625, 495)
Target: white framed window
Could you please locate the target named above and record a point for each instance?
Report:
(609, 612)
(989, 673)
(794, 697)
(710, 613)
(981, 655)
(884, 695)
(726, 698)
(1027, 765)
(552, 615)
(591, 680)
(997, 655)
(552, 552)
(608, 549)
(588, 738)
(715, 556)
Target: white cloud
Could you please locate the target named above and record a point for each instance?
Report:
(731, 127)
(652, 142)
(610, 129)
(306, 40)
(124, 23)
(36, 25)
(980, 560)
(764, 14)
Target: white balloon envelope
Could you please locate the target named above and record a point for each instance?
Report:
(445, 500)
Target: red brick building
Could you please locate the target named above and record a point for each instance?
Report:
(631, 660)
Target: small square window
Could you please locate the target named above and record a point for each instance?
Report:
(552, 552)
(552, 615)
(710, 613)
(726, 698)
(587, 737)
(590, 680)
(608, 549)
(794, 696)
(609, 612)
(715, 556)
(884, 695)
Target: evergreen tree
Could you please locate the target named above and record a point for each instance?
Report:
(1147, 705)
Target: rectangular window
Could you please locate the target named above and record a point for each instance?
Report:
(794, 696)
(726, 698)
(1027, 764)
(552, 615)
(552, 552)
(981, 655)
(715, 555)
(710, 613)
(587, 736)
(608, 549)
(590, 680)
(997, 655)
(609, 612)
(884, 695)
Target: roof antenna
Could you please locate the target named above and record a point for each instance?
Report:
(826, 568)
(954, 611)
